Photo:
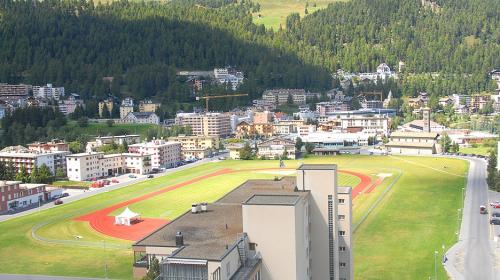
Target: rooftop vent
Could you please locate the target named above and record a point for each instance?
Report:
(179, 239)
(204, 207)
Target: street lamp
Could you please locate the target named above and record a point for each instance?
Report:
(435, 265)
(105, 260)
(458, 223)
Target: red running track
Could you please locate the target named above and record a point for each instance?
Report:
(102, 222)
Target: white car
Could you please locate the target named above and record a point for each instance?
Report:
(493, 204)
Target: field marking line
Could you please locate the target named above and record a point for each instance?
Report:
(432, 168)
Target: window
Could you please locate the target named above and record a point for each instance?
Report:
(342, 264)
(341, 217)
(341, 233)
(330, 237)
(341, 249)
(341, 201)
(228, 269)
(251, 246)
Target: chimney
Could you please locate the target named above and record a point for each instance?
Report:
(179, 239)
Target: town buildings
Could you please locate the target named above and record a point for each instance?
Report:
(148, 106)
(280, 96)
(276, 148)
(196, 146)
(229, 76)
(164, 154)
(126, 107)
(19, 156)
(48, 92)
(327, 108)
(68, 106)
(142, 118)
(93, 146)
(376, 124)
(251, 130)
(327, 143)
(88, 166)
(413, 143)
(292, 228)
(207, 124)
(15, 195)
(47, 147)
(108, 104)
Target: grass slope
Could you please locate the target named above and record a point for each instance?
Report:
(396, 241)
(274, 12)
(481, 150)
(102, 129)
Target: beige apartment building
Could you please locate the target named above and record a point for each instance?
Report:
(148, 106)
(293, 228)
(196, 146)
(164, 154)
(208, 124)
(280, 96)
(108, 103)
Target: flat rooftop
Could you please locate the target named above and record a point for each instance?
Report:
(207, 235)
(317, 167)
(286, 200)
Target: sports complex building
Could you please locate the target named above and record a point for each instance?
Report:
(293, 228)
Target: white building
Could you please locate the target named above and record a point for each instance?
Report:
(164, 154)
(276, 148)
(48, 92)
(378, 124)
(88, 166)
(413, 143)
(208, 124)
(100, 141)
(139, 117)
(337, 141)
(20, 156)
(229, 76)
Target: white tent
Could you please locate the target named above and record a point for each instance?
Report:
(126, 217)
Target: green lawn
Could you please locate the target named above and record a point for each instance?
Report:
(396, 241)
(480, 150)
(274, 12)
(71, 183)
(102, 129)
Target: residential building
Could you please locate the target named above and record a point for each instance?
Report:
(126, 107)
(418, 126)
(164, 154)
(88, 166)
(276, 148)
(4, 109)
(495, 75)
(280, 96)
(306, 129)
(478, 102)
(283, 129)
(207, 124)
(261, 104)
(48, 92)
(446, 101)
(69, 105)
(377, 124)
(141, 118)
(234, 150)
(108, 104)
(229, 76)
(361, 112)
(10, 92)
(196, 146)
(327, 143)
(413, 143)
(51, 146)
(15, 195)
(251, 130)
(327, 108)
(263, 117)
(93, 146)
(372, 104)
(292, 228)
(148, 106)
(19, 156)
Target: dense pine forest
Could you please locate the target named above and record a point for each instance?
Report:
(143, 44)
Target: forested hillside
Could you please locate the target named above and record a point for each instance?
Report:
(143, 44)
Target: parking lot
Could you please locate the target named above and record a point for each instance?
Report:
(495, 229)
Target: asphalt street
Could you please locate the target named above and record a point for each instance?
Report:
(473, 257)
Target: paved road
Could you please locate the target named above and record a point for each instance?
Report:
(83, 195)
(472, 257)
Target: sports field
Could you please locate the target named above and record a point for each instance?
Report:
(274, 12)
(58, 242)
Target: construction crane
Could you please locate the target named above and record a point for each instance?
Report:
(208, 97)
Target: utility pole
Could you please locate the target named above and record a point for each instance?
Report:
(105, 260)
(435, 265)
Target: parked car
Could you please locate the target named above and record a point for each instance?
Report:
(493, 204)
(65, 194)
(222, 158)
(150, 176)
(132, 176)
(115, 181)
(496, 206)
(495, 221)
(496, 214)
(58, 202)
(106, 182)
(483, 210)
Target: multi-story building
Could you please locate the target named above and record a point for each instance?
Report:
(250, 130)
(478, 102)
(327, 108)
(88, 166)
(196, 146)
(276, 148)
(208, 124)
(15, 90)
(139, 117)
(413, 143)
(69, 105)
(327, 143)
(378, 124)
(47, 147)
(126, 107)
(18, 156)
(280, 96)
(261, 104)
(148, 106)
(48, 92)
(283, 129)
(100, 141)
(229, 76)
(108, 104)
(163, 154)
(372, 104)
(263, 117)
(292, 228)
(15, 195)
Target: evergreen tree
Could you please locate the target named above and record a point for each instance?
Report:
(23, 175)
(298, 144)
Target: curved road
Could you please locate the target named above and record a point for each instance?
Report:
(472, 257)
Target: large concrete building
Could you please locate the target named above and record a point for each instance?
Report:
(294, 228)
(208, 124)
(19, 156)
(15, 195)
(164, 154)
(88, 166)
(100, 141)
(280, 96)
(413, 143)
(196, 146)
(276, 148)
